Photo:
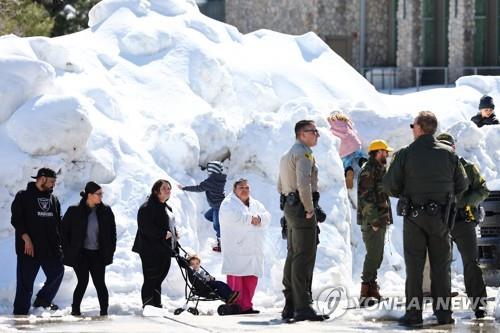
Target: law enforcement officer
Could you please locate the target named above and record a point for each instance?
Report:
(298, 179)
(426, 176)
(374, 215)
(464, 230)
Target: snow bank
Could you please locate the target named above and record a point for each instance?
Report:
(50, 125)
(156, 90)
(22, 78)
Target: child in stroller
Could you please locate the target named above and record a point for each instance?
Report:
(201, 286)
(220, 288)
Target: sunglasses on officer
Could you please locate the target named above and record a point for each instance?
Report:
(315, 131)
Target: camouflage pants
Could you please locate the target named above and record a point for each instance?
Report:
(374, 244)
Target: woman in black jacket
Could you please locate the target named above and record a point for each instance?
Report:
(155, 241)
(89, 242)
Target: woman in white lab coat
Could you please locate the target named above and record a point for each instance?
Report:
(243, 221)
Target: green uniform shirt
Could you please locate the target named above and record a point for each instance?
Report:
(476, 190)
(425, 170)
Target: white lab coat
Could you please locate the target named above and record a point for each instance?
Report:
(242, 243)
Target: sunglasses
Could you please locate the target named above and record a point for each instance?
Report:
(315, 131)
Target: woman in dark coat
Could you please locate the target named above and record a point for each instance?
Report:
(155, 241)
(89, 242)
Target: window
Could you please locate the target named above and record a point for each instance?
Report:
(435, 32)
(486, 35)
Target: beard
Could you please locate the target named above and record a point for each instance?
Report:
(46, 187)
(383, 160)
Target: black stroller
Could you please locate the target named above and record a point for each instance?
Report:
(197, 290)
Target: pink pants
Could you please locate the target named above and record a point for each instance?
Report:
(246, 286)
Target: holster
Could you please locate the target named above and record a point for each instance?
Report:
(403, 208)
(282, 201)
(292, 199)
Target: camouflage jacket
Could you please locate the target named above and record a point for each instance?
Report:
(374, 206)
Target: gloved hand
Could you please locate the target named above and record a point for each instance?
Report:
(469, 215)
(284, 229)
(320, 214)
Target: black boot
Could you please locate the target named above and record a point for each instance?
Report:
(411, 318)
(40, 302)
(288, 311)
(444, 317)
(308, 314)
(480, 313)
(75, 310)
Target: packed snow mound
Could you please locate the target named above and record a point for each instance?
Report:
(485, 85)
(155, 90)
(22, 79)
(51, 125)
(104, 9)
(58, 56)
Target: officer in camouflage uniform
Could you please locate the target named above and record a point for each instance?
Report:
(374, 214)
(464, 231)
(426, 176)
(298, 179)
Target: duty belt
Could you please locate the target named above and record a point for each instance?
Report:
(432, 208)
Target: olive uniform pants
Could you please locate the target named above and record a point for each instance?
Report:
(301, 256)
(421, 235)
(464, 235)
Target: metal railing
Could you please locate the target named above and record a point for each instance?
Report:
(387, 78)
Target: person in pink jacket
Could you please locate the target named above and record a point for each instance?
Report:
(350, 145)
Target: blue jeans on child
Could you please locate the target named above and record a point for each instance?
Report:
(352, 160)
(213, 216)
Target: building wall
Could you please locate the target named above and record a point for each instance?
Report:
(378, 34)
(294, 17)
(337, 22)
(460, 36)
(408, 49)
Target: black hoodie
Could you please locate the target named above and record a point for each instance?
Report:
(37, 214)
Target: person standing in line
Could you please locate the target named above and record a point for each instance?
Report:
(374, 215)
(36, 217)
(155, 241)
(89, 243)
(464, 230)
(297, 180)
(426, 176)
(243, 223)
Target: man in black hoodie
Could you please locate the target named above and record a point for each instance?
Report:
(36, 218)
(213, 187)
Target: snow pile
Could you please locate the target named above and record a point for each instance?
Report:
(154, 90)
